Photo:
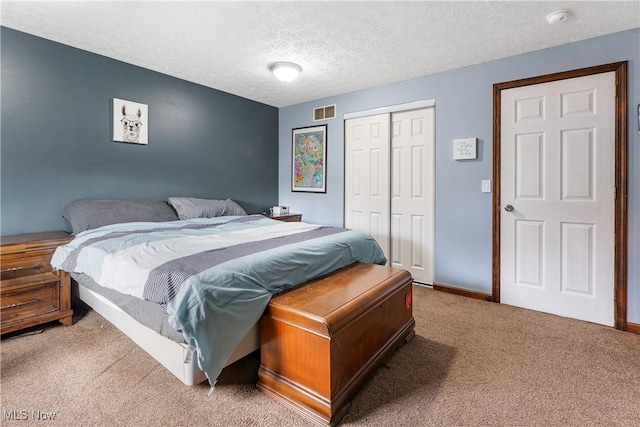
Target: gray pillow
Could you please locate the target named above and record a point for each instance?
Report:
(193, 207)
(233, 209)
(87, 214)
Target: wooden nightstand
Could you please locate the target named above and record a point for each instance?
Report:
(31, 291)
(291, 217)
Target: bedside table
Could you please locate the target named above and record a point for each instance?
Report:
(31, 291)
(290, 217)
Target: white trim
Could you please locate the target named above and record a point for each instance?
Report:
(391, 109)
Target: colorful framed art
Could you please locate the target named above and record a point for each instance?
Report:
(309, 159)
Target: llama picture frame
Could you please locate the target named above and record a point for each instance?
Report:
(130, 122)
(309, 159)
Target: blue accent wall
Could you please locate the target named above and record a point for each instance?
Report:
(464, 108)
(56, 142)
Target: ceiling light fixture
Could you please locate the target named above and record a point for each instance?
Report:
(558, 16)
(285, 71)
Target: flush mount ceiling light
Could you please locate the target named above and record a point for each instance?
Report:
(558, 16)
(285, 71)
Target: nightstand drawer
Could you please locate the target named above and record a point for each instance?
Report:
(25, 264)
(30, 299)
(31, 291)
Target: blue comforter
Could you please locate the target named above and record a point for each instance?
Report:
(215, 276)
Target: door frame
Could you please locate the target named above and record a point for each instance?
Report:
(620, 180)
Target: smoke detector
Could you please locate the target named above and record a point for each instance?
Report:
(558, 16)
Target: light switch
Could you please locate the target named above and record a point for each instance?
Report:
(486, 186)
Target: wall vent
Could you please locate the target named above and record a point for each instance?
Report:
(324, 113)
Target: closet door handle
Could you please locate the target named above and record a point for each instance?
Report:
(508, 208)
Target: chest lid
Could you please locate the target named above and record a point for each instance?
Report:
(328, 303)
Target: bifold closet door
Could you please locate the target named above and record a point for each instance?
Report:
(389, 185)
(412, 192)
(367, 198)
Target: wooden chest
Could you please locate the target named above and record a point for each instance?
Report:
(321, 341)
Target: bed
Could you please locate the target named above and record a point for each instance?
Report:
(188, 280)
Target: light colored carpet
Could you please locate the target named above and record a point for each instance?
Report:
(471, 363)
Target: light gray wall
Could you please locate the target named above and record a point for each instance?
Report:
(464, 107)
(56, 136)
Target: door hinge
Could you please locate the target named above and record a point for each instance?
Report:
(615, 193)
(615, 90)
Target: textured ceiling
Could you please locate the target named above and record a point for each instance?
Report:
(342, 46)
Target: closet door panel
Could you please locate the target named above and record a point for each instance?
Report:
(367, 190)
(412, 201)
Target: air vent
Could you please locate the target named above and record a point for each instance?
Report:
(324, 113)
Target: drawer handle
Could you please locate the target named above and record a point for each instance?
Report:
(20, 304)
(28, 267)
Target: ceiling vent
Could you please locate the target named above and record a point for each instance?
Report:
(324, 113)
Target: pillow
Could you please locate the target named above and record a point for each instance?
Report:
(193, 207)
(233, 209)
(87, 214)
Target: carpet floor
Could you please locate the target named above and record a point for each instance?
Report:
(471, 363)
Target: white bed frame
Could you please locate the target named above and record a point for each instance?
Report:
(179, 358)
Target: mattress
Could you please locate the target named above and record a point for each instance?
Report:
(147, 313)
(177, 357)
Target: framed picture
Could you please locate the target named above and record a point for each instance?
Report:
(130, 122)
(309, 159)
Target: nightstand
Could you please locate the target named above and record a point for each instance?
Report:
(31, 291)
(290, 217)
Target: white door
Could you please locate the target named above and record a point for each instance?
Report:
(367, 204)
(412, 195)
(557, 197)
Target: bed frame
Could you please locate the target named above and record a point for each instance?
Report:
(178, 358)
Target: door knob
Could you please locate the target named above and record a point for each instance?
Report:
(508, 208)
